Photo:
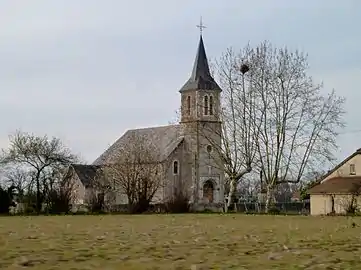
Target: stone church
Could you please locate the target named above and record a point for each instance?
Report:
(189, 148)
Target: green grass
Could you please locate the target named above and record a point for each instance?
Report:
(180, 242)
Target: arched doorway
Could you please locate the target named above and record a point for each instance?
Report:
(208, 191)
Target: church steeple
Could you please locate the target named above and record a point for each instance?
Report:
(200, 95)
(202, 128)
(201, 78)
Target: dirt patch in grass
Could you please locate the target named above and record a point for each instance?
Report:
(180, 242)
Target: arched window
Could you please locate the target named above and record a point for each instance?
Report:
(210, 105)
(175, 167)
(188, 105)
(205, 105)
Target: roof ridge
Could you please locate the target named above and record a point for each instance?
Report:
(145, 128)
(84, 165)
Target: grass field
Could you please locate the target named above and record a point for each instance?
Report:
(203, 241)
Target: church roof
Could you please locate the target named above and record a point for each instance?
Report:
(163, 140)
(85, 173)
(201, 77)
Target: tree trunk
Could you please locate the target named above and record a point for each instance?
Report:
(332, 204)
(232, 188)
(269, 196)
(38, 195)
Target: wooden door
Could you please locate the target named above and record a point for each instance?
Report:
(208, 191)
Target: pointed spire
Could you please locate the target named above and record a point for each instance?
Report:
(201, 78)
(200, 67)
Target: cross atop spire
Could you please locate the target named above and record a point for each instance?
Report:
(201, 26)
(201, 78)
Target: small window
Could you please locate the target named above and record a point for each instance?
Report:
(209, 149)
(210, 105)
(205, 105)
(352, 169)
(188, 105)
(175, 167)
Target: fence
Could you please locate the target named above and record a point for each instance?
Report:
(283, 207)
(246, 207)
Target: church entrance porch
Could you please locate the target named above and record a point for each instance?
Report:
(209, 195)
(208, 191)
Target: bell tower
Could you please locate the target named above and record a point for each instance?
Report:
(202, 127)
(200, 94)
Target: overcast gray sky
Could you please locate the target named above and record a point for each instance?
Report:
(88, 70)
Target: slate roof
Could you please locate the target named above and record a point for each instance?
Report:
(163, 140)
(201, 77)
(338, 185)
(86, 173)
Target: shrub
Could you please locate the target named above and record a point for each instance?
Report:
(178, 203)
(351, 208)
(96, 202)
(274, 211)
(30, 210)
(140, 206)
(6, 200)
(59, 203)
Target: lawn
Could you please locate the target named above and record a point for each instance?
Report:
(203, 241)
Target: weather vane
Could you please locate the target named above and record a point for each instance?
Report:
(201, 26)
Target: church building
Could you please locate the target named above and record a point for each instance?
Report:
(189, 149)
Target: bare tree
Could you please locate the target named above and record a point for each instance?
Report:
(348, 202)
(275, 119)
(101, 191)
(310, 179)
(284, 192)
(247, 189)
(236, 153)
(41, 155)
(298, 124)
(60, 197)
(137, 173)
(19, 178)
